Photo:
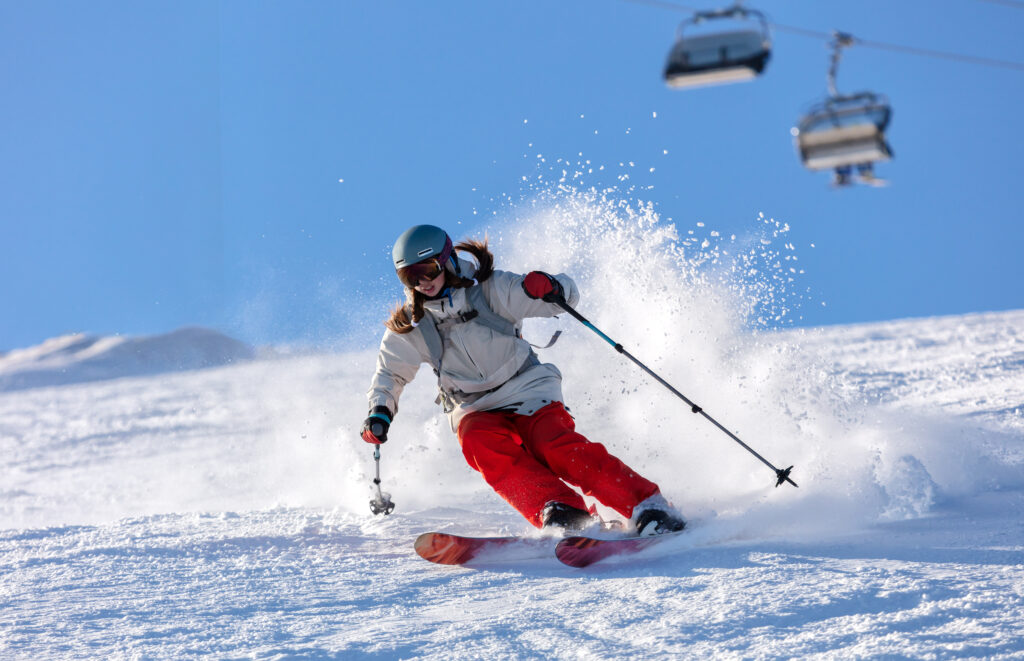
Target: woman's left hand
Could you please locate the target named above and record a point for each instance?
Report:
(538, 284)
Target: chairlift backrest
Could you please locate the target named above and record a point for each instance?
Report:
(719, 57)
(723, 47)
(836, 112)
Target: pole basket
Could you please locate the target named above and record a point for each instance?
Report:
(382, 504)
(783, 475)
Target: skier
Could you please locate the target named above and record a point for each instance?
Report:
(464, 319)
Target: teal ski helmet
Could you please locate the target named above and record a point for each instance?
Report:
(419, 243)
(424, 242)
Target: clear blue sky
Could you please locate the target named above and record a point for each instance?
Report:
(178, 163)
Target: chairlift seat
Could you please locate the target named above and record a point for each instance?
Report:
(850, 145)
(844, 131)
(716, 58)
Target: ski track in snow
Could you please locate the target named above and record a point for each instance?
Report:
(224, 512)
(294, 582)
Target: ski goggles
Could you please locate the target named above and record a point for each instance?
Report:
(414, 273)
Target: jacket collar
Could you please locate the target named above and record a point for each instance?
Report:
(454, 302)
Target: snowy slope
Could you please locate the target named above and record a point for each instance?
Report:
(80, 358)
(224, 512)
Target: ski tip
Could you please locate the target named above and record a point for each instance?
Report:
(440, 548)
(448, 549)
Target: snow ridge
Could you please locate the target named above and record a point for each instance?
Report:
(81, 358)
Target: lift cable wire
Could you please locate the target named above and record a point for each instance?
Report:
(828, 36)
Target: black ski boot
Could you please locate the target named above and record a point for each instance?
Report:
(656, 522)
(655, 516)
(566, 517)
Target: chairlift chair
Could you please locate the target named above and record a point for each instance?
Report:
(844, 131)
(719, 57)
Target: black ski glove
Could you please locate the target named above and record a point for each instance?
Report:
(375, 427)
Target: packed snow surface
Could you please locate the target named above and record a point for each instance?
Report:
(224, 512)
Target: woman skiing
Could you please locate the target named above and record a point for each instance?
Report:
(464, 320)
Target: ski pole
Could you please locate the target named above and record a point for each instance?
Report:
(382, 504)
(781, 473)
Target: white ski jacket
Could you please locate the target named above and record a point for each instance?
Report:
(485, 369)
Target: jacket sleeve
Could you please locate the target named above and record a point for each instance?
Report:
(510, 300)
(397, 363)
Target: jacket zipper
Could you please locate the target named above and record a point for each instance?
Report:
(469, 356)
(453, 335)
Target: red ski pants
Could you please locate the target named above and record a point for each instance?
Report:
(526, 458)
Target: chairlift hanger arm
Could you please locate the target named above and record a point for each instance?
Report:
(840, 40)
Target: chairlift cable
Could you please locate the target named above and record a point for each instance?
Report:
(926, 52)
(881, 45)
(911, 50)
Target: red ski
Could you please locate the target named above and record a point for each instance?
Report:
(585, 551)
(447, 549)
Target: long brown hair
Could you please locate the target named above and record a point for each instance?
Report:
(399, 320)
